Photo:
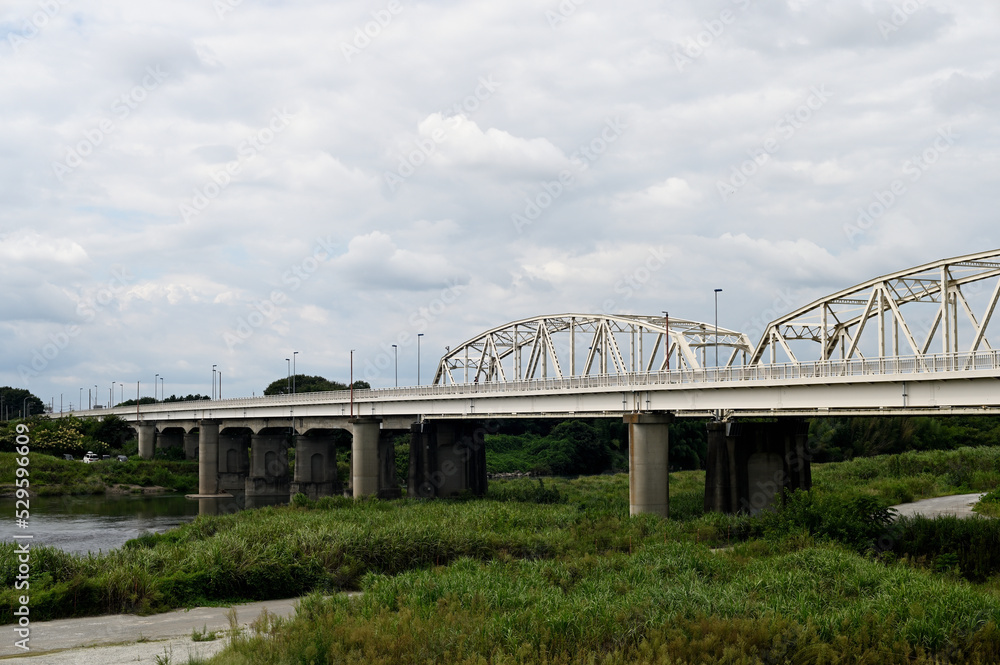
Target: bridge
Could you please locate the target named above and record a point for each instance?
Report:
(913, 342)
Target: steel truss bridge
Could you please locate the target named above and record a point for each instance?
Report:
(912, 342)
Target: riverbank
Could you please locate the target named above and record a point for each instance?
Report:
(557, 566)
(53, 476)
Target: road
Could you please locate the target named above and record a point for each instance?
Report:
(959, 505)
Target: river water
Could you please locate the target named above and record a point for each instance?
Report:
(96, 523)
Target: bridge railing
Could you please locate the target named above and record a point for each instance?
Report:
(815, 370)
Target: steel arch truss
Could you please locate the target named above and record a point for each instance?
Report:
(567, 345)
(909, 313)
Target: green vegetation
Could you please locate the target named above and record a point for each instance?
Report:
(989, 505)
(71, 435)
(309, 384)
(53, 476)
(14, 402)
(554, 570)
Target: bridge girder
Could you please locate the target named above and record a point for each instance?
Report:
(544, 346)
(839, 324)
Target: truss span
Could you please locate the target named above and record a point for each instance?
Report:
(567, 345)
(945, 306)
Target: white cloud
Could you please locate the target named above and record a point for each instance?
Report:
(374, 265)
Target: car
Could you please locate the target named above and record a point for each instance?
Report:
(90, 457)
(122, 458)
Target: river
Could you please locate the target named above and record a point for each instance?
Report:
(95, 523)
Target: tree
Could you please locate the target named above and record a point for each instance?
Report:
(309, 384)
(12, 403)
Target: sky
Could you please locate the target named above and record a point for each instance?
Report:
(227, 182)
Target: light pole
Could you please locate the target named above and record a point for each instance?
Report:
(122, 386)
(717, 292)
(352, 383)
(294, 353)
(395, 355)
(95, 394)
(419, 335)
(213, 380)
(111, 395)
(288, 376)
(156, 379)
(666, 338)
(161, 388)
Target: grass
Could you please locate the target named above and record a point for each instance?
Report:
(555, 570)
(55, 476)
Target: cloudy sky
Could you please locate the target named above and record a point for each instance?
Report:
(190, 183)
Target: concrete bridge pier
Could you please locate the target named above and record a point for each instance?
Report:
(170, 438)
(388, 483)
(315, 466)
(191, 445)
(447, 458)
(234, 460)
(268, 477)
(147, 439)
(751, 464)
(364, 456)
(208, 457)
(648, 457)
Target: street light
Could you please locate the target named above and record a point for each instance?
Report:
(95, 394)
(213, 380)
(395, 355)
(156, 379)
(419, 335)
(294, 353)
(161, 389)
(666, 338)
(717, 292)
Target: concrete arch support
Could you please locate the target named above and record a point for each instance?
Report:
(648, 457)
(147, 439)
(751, 464)
(191, 445)
(208, 457)
(364, 456)
(315, 466)
(447, 458)
(268, 467)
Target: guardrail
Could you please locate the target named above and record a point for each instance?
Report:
(861, 367)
